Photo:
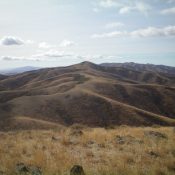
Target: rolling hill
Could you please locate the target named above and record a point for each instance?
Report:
(86, 93)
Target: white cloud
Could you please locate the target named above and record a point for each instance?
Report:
(11, 40)
(66, 43)
(139, 7)
(54, 55)
(51, 54)
(154, 32)
(14, 58)
(168, 11)
(126, 6)
(126, 9)
(146, 32)
(110, 34)
(143, 7)
(44, 45)
(109, 3)
(114, 25)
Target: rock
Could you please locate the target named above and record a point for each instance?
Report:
(21, 168)
(155, 134)
(77, 170)
(153, 154)
(127, 139)
(90, 142)
(120, 140)
(35, 170)
(55, 138)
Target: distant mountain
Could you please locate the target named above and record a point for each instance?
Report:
(19, 70)
(143, 67)
(89, 94)
(2, 77)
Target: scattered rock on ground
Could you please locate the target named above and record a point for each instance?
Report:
(21, 168)
(155, 134)
(153, 154)
(76, 132)
(35, 170)
(127, 139)
(90, 142)
(55, 138)
(77, 170)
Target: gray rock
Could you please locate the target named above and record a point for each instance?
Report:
(77, 170)
(155, 134)
(153, 154)
(35, 170)
(23, 169)
(127, 139)
(55, 138)
(90, 142)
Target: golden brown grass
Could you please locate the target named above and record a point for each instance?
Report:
(96, 149)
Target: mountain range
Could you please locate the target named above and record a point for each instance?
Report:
(18, 70)
(90, 94)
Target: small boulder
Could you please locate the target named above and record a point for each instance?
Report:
(153, 154)
(55, 138)
(120, 140)
(21, 168)
(77, 170)
(35, 170)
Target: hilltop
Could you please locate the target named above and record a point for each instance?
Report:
(89, 94)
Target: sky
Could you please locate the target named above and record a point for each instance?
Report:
(49, 33)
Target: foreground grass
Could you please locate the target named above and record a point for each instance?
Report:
(123, 150)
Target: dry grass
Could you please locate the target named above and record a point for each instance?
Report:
(96, 149)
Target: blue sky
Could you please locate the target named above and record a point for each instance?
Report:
(50, 33)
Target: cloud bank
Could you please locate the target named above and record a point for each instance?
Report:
(146, 32)
(168, 11)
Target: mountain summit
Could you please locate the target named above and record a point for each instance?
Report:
(86, 93)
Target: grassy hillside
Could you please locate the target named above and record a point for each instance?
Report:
(89, 94)
(121, 150)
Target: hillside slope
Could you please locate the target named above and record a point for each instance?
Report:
(143, 67)
(89, 94)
